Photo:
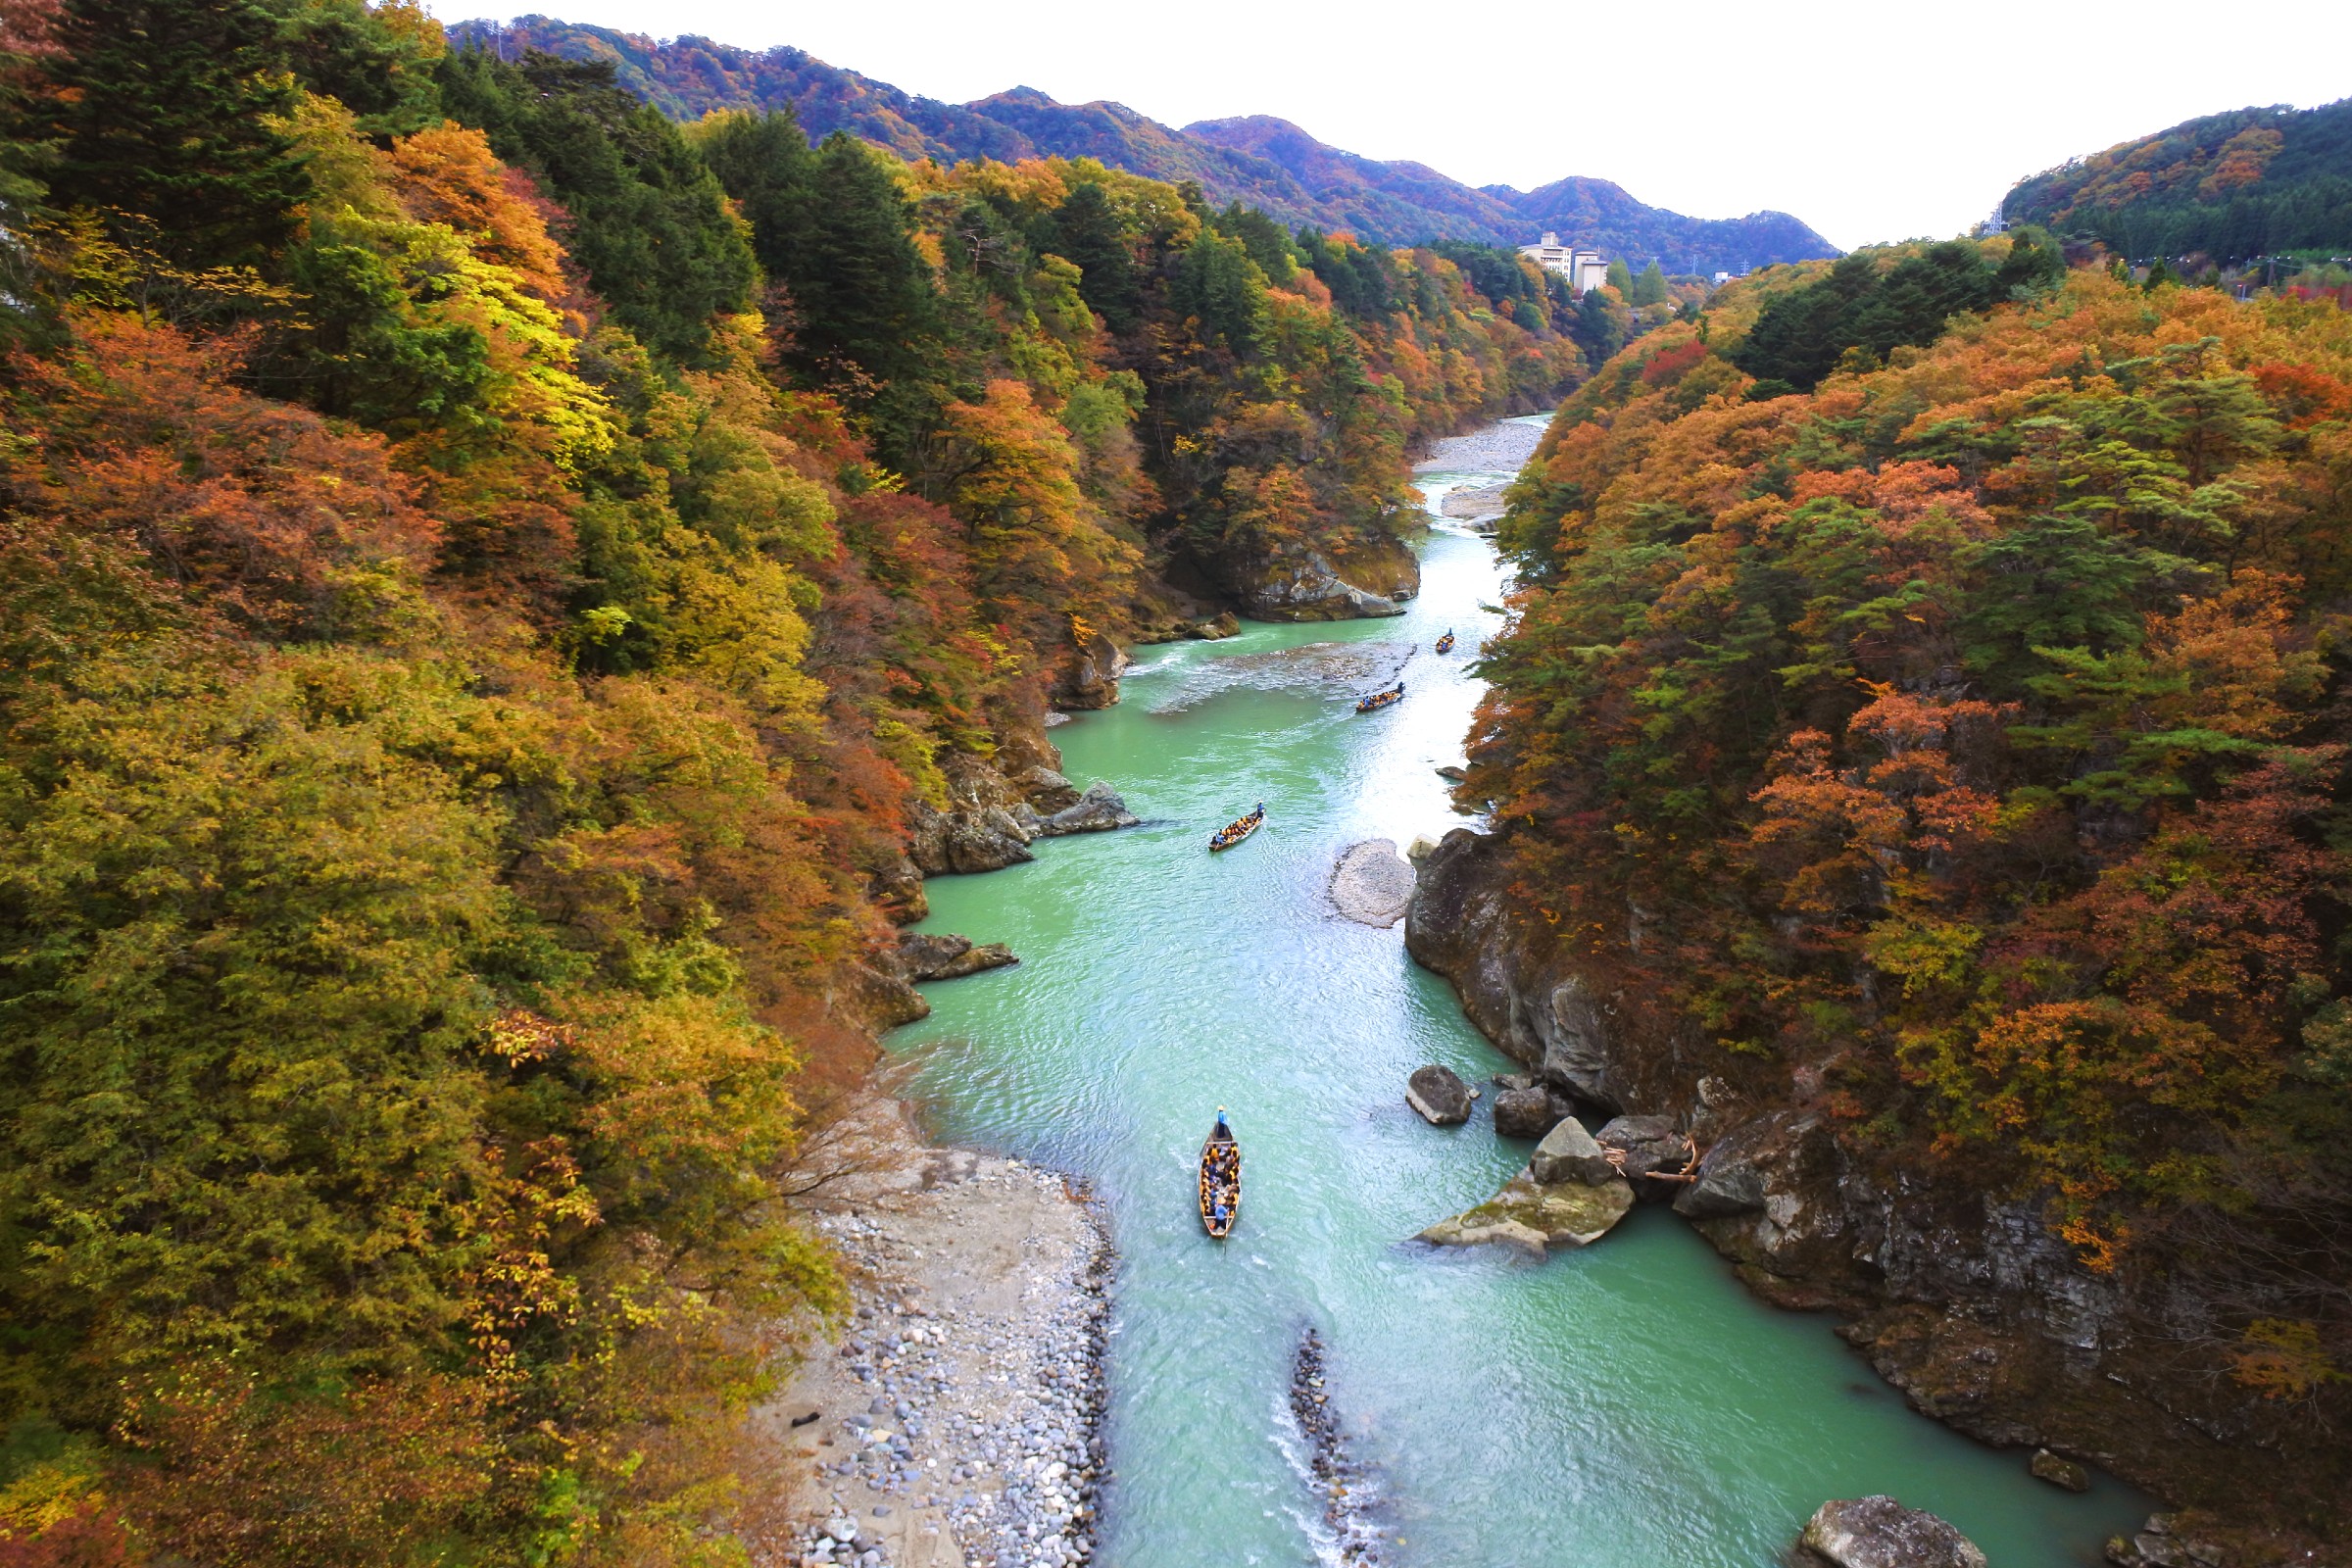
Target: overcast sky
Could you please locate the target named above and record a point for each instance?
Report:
(1869, 121)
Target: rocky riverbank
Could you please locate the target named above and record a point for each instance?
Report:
(956, 1424)
(1500, 448)
(1963, 1298)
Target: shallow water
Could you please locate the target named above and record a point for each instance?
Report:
(1625, 1406)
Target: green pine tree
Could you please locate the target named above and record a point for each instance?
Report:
(1088, 235)
(161, 108)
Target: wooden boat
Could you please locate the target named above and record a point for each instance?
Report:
(1446, 643)
(1381, 700)
(1240, 828)
(1220, 1180)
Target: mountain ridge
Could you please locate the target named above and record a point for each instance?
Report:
(1258, 160)
(2234, 186)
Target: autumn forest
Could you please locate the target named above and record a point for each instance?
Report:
(490, 572)
(488, 569)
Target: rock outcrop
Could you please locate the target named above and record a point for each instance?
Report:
(2059, 1471)
(1098, 810)
(1535, 1216)
(1302, 582)
(1372, 883)
(1961, 1295)
(1881, 1533)
(944, 956)
(1438, 1094)
(1646, 1145)
(990, 819)
(1089, 677)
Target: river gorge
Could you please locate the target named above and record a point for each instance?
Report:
(1625, 1405)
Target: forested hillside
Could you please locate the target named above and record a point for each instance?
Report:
(488, 572)
(1257, 161)
(2252, 183)
(1956, 752)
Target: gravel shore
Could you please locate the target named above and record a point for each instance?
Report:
(956, 1423)
(1500, 448)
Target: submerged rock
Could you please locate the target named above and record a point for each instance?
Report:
(1525, 1113)
(1371, 884)
(2058, 1471)
(1534, 1216)
(1881, 1533)
(1438, 1094)
(1098, 810)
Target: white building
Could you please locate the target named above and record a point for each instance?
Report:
(1584, 270)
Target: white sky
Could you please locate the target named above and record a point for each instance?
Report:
(1869, 121)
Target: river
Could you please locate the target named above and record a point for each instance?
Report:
(1625, 1406)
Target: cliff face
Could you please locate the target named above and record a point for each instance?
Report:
(1288, 581)
(1960, 1296)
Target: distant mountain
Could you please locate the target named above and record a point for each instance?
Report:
(2251, 183)
(1258, 160)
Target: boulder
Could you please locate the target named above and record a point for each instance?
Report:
(1420, 849)
(1648, 1142)
(2158, 1543)
(1524, 1112)
(1046, 790)
(1727, 1184)
(987, 840)
(1100, 809)
(1216, 628)
(944, 956)
(1881, 1533)
(1533, 1217)
(1371, 884)
(884, 999)
(1454, 776)
(1438, 1094)
(1569, 1153)
(2058, 1471)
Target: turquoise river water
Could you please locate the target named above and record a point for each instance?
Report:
(1623, 1406)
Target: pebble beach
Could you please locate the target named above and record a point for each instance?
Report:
(956, 1422)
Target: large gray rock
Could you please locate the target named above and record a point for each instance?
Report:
(1569, 1153)
(945, 956)
(1881, 1533)
(1525, 1113)
(1371, 884)
(1438, 1094)
(1100, 809)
